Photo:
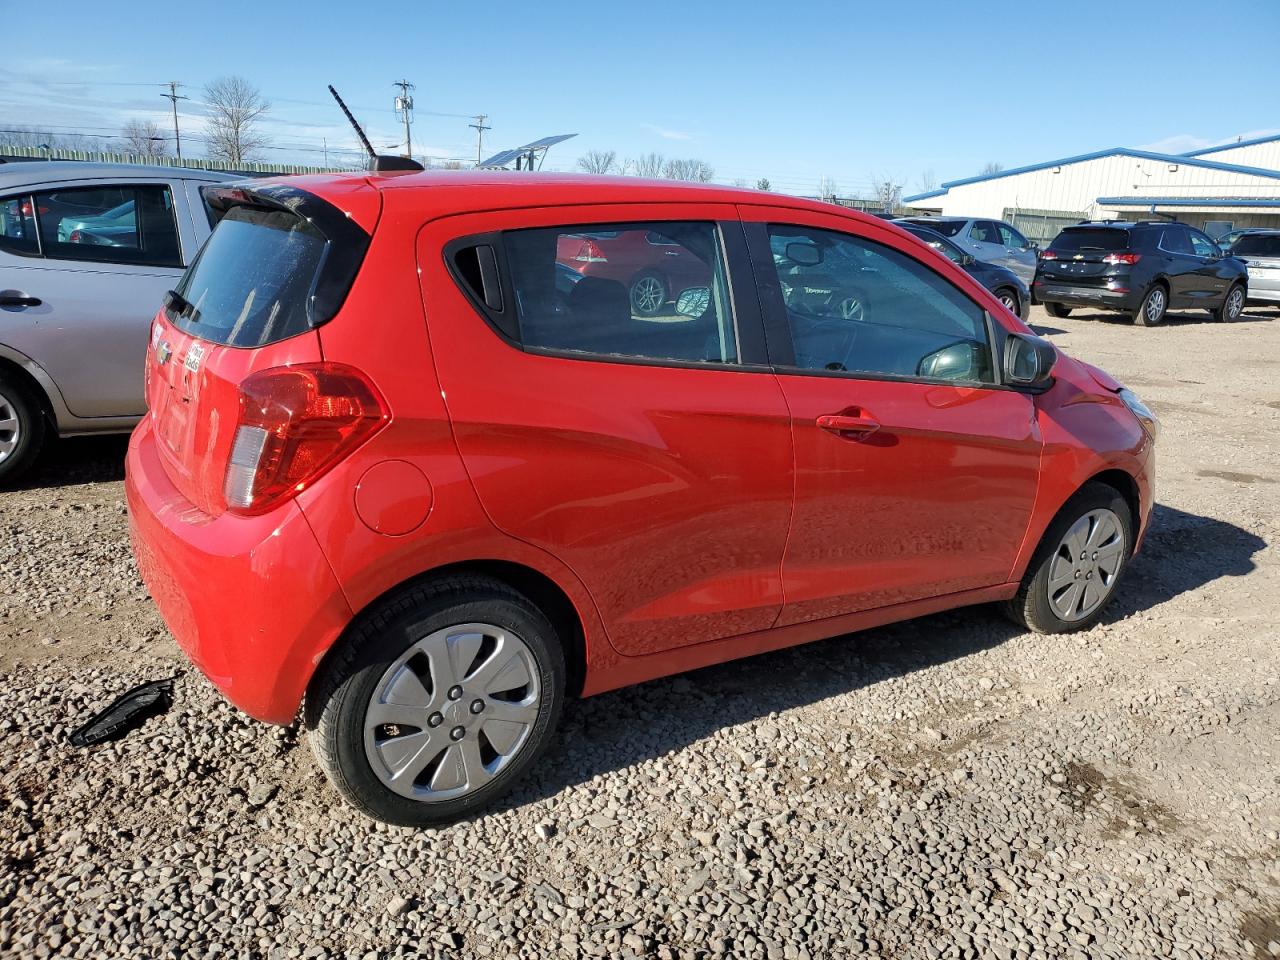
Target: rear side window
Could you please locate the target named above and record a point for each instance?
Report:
(655, 291)
(127, 224)
(1252, 245)
(18, 226)
(251, 284)
(1081, 240)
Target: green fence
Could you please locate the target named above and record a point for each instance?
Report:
(95, 156)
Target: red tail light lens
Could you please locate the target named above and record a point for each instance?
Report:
(1048, 255)
(590, 252)
(1122, 258)
(295, 424)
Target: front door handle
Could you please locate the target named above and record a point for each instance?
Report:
(840, 423)
(16, 298)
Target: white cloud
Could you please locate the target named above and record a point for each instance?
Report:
(1187, 142)
(667, 134)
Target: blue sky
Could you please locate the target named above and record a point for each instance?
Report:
(789, 91)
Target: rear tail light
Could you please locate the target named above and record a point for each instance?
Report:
(1048, 255)
(1122, 258)
(295, 424)
(590, 252)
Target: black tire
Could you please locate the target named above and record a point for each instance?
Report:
(1009, 297)
(22, 429)
(1232, 305)
(1057, 310)
(340, 693)
(642, 293)
(1155, 304)
(1030, 606)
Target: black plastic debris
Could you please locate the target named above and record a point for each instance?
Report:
(126, 712)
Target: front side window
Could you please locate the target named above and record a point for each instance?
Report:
(18, 225)
(1202, 245)
(655, 290)
(1011, 238)
(855, 305)
(109, 225)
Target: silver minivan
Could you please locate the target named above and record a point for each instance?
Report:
(991, 241)
(87, 252)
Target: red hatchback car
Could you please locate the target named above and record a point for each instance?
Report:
(400, 472)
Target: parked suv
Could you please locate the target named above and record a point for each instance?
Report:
(398, 473)
(991, 241)
(87, 251)
(1260, 252)
(1142, 269)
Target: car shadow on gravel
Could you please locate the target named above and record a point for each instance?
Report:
(1174, 318)
(625, 728)
(70, 461)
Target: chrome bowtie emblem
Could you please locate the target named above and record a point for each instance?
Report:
(163, 352)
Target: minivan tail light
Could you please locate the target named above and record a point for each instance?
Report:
(590, 252)
(295, 423)
(1122, 258)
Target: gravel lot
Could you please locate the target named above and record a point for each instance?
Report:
(949, 787)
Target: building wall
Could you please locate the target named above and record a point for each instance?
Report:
(1265, 155)
(1076, 187)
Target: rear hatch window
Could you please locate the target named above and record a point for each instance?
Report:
(1251, 245)
(1091, 240)
(948, 228)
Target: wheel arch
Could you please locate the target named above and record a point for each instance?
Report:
(1124, 484)
(20, 374)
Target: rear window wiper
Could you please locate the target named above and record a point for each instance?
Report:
(179, 304)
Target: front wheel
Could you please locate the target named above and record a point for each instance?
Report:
(438, 701)
(1075, 569)
(1232, 305)
(1153, 307)
(1057, 310)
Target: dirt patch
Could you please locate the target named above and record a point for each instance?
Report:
(1233, 476)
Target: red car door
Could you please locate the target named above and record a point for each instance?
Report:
(915, 471)
(655, 460)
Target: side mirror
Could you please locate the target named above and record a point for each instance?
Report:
(1028, 361)
(693, 302)
(804, 254)
(967, 259)
(1033, 246)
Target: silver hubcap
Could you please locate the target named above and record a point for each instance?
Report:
(10, 428)
(1155, 304)
(452, 712)
(1010, 304)
(851, 308)
(647, 294)
(1086, 564)
(1235, 304)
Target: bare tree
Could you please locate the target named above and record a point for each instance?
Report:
(646, 165)
(990, 167)
(827, 188)
(764, 184)
(46, 141)
(888, 191)
(144, 137)
(927, 182)
(236, 110)
(698, 171)
(598, 161)
(451, 165)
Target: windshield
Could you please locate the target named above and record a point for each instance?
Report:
(1090, 238)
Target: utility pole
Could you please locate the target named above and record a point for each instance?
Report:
(404, 107)
(325, 141)
(479, 128)
(173, 97)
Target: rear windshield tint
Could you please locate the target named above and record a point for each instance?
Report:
(948, 228)
(1253, 245)
(1091, 239)
(252, 282)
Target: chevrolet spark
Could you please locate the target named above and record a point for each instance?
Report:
(416, 468)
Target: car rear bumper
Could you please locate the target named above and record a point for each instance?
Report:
(1049, 291)
(251, 601)
(1264, 291)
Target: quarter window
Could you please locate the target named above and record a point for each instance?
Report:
(654, 290)
(855, 305)
(109, 225)
(984, 231)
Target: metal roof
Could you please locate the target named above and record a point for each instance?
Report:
(31, 172)
(1099, 155)
(1189, 201)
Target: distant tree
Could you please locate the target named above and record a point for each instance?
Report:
(598, 161)
(646, 165)
(35, 139)
(927, 182)
(144, 137)
(697, 171)
(888, 192)
(827, 188)
(450, 165)
(764, 184)
(990, 167)
(236, 110)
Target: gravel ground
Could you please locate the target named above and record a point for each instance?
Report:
(948, 787)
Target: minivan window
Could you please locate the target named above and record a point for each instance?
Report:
(1079, 240)
(1257, 245)
(251, 284)
(654, 290)
(127, 224)
(856, 305)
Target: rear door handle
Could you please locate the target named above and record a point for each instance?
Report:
(16, 298)
(840, 423)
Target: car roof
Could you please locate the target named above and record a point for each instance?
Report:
(30, 172)
(938, 218)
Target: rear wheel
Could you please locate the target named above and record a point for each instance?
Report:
(1010, 300)
(1153, 307)
(1232, 305)
(648, 295)
(438, 702)
(1075, 569)
(1057, 310)
(22, 429)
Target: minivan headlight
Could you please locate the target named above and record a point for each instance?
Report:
(1141, 411)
